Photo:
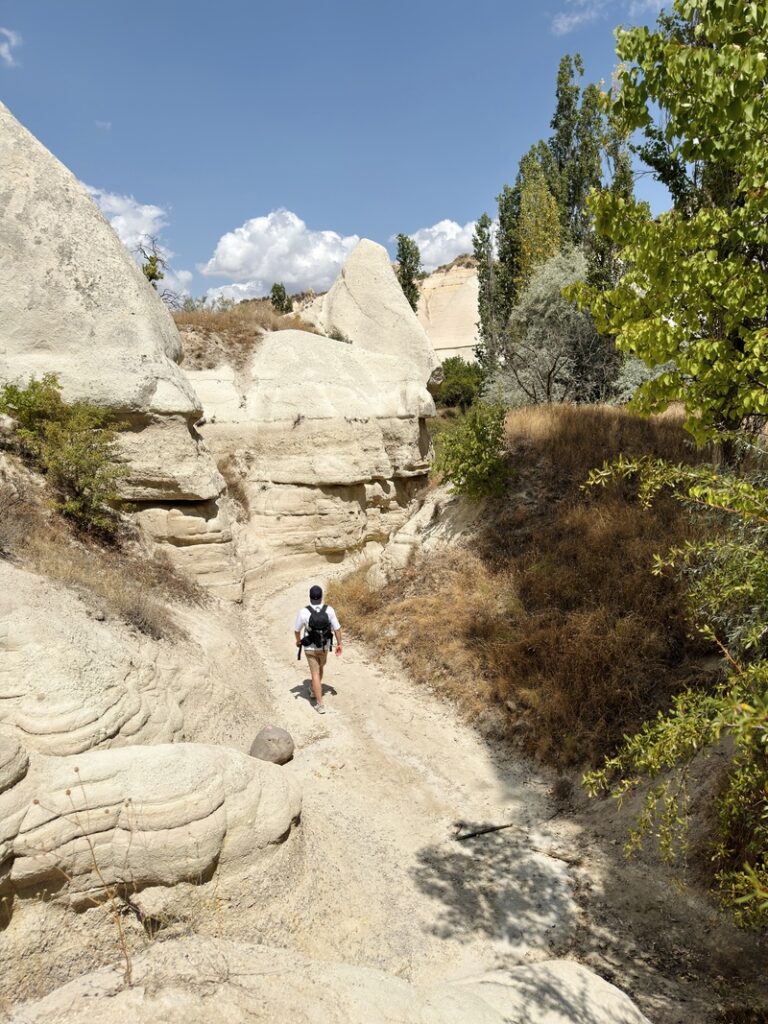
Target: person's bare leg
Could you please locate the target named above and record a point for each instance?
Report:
(317, 681)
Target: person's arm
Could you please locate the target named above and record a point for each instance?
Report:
(298, 626)
(337, 632)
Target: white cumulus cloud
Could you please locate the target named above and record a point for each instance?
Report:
(134, 223)
(9, 41)
(139, 225)
(577, 13)
(443, 242)
(276, 247)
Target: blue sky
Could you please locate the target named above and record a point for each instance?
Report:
(258, 141)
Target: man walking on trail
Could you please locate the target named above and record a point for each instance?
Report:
(319, 623)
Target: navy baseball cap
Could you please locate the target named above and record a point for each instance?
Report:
(315, 594)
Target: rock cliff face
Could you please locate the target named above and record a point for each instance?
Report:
(74, 303)
(327, 438)
(448, 309)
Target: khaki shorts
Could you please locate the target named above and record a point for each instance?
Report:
(316, 659)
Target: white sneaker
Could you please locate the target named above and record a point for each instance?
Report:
(320, 709)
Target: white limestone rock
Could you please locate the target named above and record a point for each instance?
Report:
(447, 309)
(367, 306)
(142, 816)
(327, 440)
(72, 682)
(74, 303)
(208, 982)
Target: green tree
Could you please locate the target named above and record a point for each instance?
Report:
(538, 230)
(462, 383)
(280, 299)
(726, 570)
(694, 290)
(488, 324)
(552, 351)
(576, 146)
(408, 268)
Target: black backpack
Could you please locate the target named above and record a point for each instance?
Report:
(318, 632)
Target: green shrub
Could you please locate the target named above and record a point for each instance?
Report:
(462, 383)
(74, 445)
(727, 580)
(472, 454)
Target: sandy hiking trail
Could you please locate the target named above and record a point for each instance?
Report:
(390, 776)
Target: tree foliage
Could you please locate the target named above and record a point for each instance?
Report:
(727, 576)
(551, 351)
(472, 454)
(538, 228)
(408, 268)
(694, 290)
(74, 445)
(488, 323)
(280, 299)
(461, 385)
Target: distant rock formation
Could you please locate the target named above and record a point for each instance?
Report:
(74, 303)
(448, 309)
(327, 435)
(366, 306)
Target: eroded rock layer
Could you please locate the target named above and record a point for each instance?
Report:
(191, 980)
(326, 442)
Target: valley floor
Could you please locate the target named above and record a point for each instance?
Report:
(391, 776)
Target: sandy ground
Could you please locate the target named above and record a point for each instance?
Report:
(391, 776)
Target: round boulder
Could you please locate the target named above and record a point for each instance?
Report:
(273, 744)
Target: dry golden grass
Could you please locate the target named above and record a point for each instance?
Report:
(228, 335)
(553, 627)
(114, 580)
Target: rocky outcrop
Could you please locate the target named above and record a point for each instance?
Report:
(193, 980)
(121, 820)
(366, 306)
(97, 788)
(448, 309)
(325, 439)
(74, 303)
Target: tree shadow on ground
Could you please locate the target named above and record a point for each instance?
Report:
(497, 885)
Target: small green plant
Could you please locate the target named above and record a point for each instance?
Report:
(462, 383)
(280, 299)
(472, 454)
(74, 445)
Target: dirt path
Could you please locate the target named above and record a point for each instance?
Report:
(387, 776)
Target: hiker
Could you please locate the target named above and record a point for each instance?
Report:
(319, 623)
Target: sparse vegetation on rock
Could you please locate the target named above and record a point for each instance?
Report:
(74, 446)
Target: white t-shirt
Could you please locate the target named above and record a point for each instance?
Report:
(302, 620)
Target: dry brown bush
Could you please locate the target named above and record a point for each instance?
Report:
(229, 335)
(112, 579)
(554, 618)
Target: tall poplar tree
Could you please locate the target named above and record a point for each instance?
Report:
(408, 268)
(488, 324)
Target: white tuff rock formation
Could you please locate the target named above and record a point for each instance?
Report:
(327, 436)
(448, 309)
(366, 306)
(208, 983)
(74, 303)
